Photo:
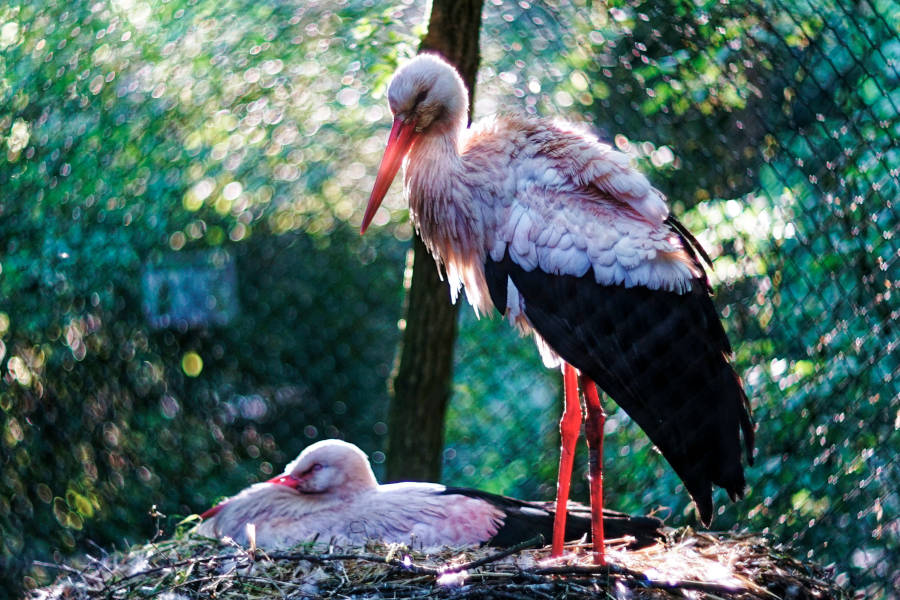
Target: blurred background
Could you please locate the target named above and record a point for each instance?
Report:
(186, 303)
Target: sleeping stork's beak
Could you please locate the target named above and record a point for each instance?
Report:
(285, 479)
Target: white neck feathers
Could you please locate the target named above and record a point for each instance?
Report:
(446, 215)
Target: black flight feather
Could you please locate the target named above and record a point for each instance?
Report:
(662, 356)
(524, 520)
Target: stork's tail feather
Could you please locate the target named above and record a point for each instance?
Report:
(524, 520)
(711, 453)
(645, 531)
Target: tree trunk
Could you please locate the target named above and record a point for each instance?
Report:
(424, 376)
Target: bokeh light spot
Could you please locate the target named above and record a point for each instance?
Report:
(191, 364)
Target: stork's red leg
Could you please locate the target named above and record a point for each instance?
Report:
(593, 431)
(569, 425)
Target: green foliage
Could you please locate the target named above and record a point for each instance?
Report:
(500, 424)
(134, 135)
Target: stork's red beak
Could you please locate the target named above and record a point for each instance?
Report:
(400, 140)
(210, 513)
(285, 479)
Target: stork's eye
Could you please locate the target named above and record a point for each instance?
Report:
(421, 96)
(309, 471)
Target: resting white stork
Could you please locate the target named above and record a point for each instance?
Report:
(329, 492)
(573, 244)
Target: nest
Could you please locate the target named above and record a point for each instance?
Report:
(688, 565)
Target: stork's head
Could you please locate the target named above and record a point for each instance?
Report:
(329, 466)
(428, 98)
(428, 94)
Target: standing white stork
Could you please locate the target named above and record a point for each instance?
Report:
(329, 492)
(573, 244)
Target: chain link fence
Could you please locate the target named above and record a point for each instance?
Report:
(772, 127)
(151, 149)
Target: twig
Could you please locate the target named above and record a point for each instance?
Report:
(538, 540)
(100, 564)
(544, 590)
(513, 595)
(83, 574)
(590, 570)
(384, 587)
(405, 564)
(636, 579)
(698, 586)
(212, 560)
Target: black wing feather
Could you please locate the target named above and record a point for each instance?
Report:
(690, 243)
(662, 356)
(524, 520)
